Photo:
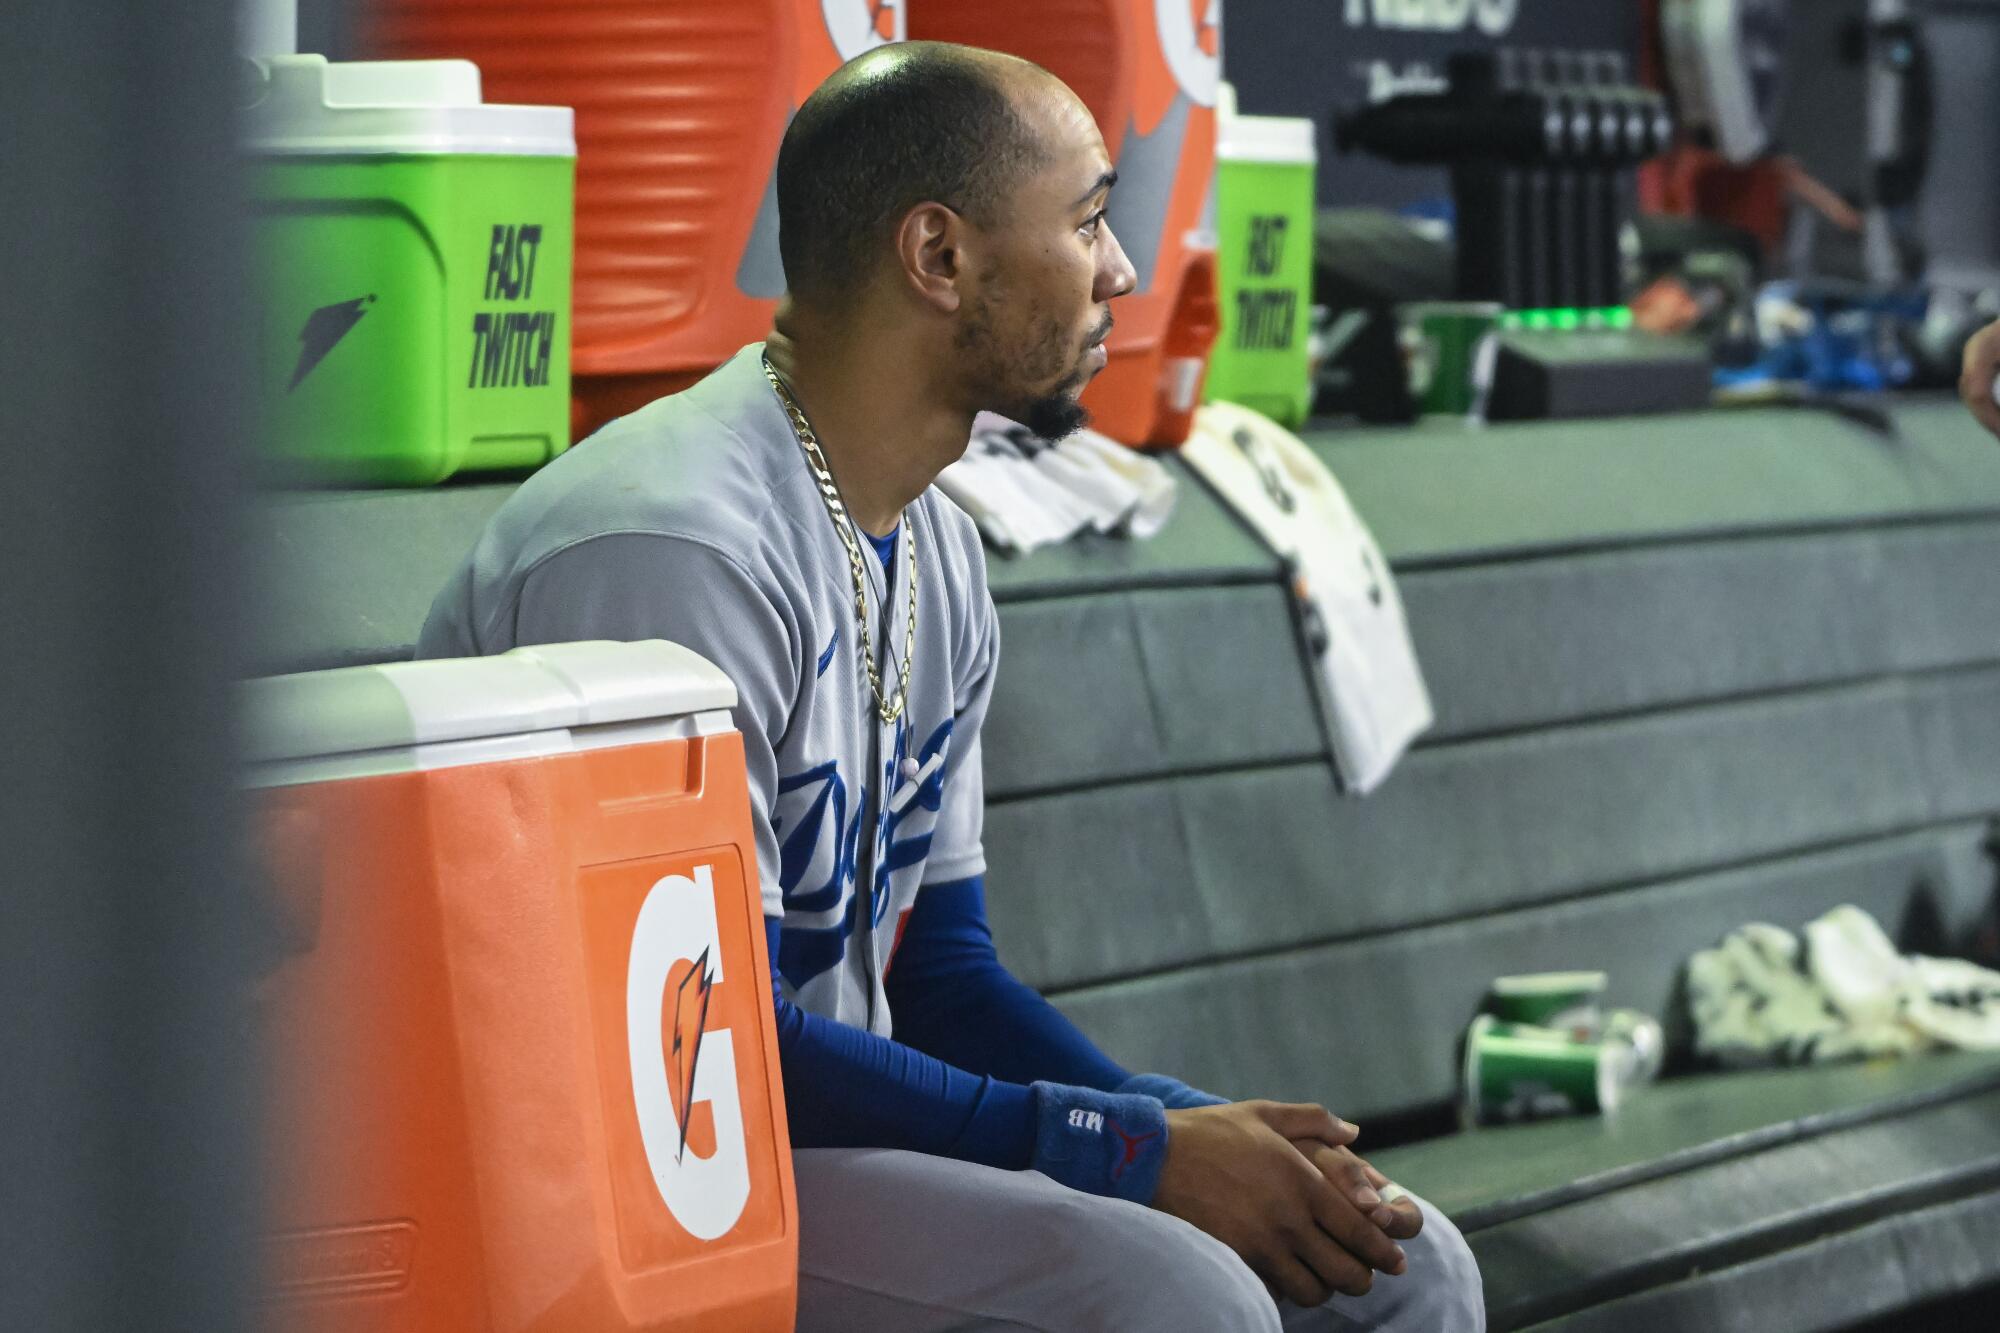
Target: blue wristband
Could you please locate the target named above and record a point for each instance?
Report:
(1105, 1143)
(1173, 1094)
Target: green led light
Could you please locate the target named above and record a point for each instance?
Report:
(1567, 318)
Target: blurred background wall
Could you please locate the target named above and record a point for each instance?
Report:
(124, 941)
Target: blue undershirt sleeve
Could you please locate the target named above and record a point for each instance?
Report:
(953, 999)
(846, 1088)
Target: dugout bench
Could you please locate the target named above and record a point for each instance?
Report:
(1689, 672)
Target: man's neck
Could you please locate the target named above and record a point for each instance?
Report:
(885, 429)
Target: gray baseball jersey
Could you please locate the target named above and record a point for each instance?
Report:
(696, 519)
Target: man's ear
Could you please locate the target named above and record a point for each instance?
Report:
(930, 244)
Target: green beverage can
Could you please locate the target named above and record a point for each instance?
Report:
(1516, 1071)
(413, 247)
(1450, 349)
(1264, 168)
(1567, 1001)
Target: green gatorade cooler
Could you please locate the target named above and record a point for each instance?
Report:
(1264, 219)
(414, 249)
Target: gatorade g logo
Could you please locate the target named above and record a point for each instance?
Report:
(1190, 39)
(679, 1009)
(859, 26)
(683, 1073)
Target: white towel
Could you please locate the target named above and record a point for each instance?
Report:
(1754, 1002)
(1763, 997)
(1025, 492)
(1948, 1000)
(1372, 689)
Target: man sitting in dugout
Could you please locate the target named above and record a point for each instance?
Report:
(964, 1156)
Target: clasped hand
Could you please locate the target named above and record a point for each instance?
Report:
(1278, 1184)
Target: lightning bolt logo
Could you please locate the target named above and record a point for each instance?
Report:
(324, 328)
(690, 1021)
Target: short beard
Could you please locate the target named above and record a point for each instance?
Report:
(1055, 416)
(1051, 416)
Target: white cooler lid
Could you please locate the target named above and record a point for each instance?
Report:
(309, 105)
(403, 716)
(1286, 140)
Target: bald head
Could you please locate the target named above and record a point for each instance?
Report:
(905, 124)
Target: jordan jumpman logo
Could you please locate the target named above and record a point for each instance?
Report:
(1132, 1146)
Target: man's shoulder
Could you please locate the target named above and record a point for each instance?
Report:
(701, 465)
(960, 549)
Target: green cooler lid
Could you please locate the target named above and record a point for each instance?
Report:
(399, 717)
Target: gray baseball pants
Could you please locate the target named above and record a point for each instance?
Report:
(901, 1242)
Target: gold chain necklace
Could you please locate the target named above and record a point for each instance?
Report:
(829, 492)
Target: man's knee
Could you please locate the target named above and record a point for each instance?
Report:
(1161, 1273)
(1441, 1289)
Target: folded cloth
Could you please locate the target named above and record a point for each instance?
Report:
(1948, 1000)
(1026, 492)
(1371, 689)
(1953, 1002)
(1754, 1003)
(1856, 965)
(1762, 996)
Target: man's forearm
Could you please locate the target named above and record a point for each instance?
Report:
(952, 998)
(847, 1088)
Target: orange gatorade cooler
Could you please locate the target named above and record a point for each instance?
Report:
(521, 1063)
(680, 107)
(1149, 70)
